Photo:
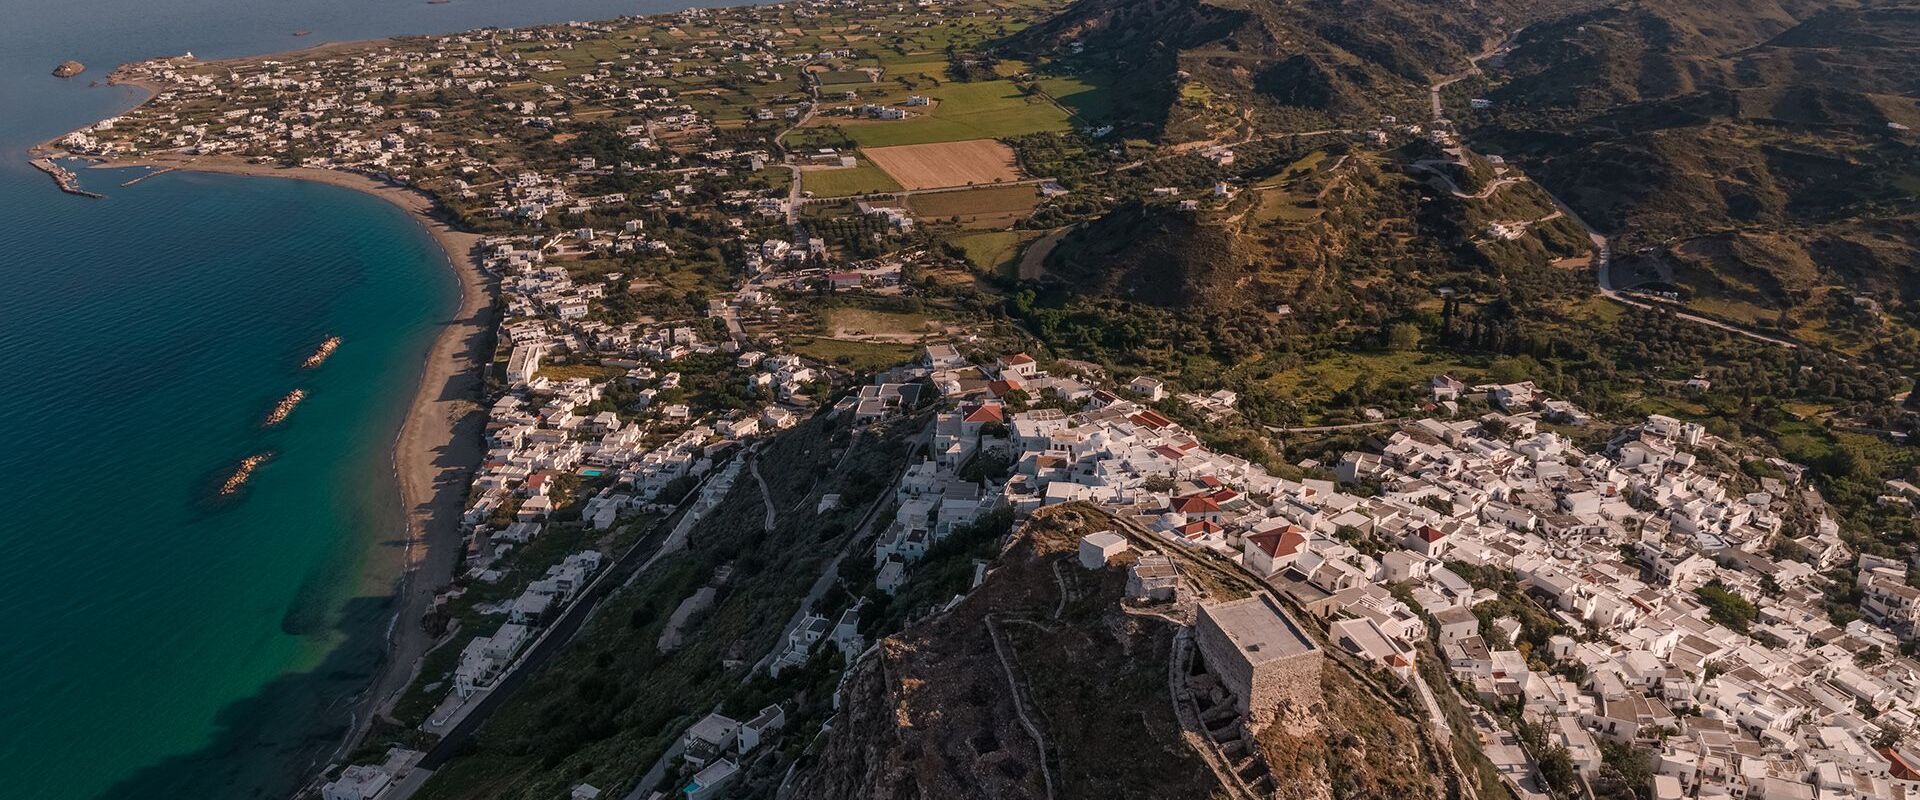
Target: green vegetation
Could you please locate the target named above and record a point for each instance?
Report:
(612, 702)
(991, 205)
(863, 178)
(1090, 101)
(529, 564)
(1767, 190)
(855, 320)
(979, 110)
(1725, 607)
(592, 372)
(993, 252)
(857, 356)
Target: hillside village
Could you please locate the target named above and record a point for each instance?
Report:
(670, 219)
(1619, 599)
(1623, 596)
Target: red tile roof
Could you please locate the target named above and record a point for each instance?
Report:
(1198, 530)
(987, 412)
(1150, 419)
(1000, 388)
(1018, 358)
(1196, 504)
(1279, 541)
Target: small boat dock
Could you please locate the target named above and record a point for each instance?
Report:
(63, 177)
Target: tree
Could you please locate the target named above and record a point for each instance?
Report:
(1403, 336)
(1556, 768)
(1725, 607)
(1627, 773)
(1513, 369)
(1869, 656)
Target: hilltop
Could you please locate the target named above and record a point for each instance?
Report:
(931, 712)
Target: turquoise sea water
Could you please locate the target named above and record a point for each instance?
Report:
(154, 644)
(154, 628)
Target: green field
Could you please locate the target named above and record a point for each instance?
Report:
(856, 355)
(993, 251)
(844, 77)
(1091, 101)
(776, 178)
(1291, 195)
(863, 179)
(1340, 371)
(916, 69)
(979, 110)
(990, 205)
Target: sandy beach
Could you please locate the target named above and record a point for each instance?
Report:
(440, 443)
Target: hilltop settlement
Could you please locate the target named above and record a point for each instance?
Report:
(844, 343)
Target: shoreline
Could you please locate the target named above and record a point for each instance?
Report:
(439, 443)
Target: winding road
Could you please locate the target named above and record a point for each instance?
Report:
(1602, 248)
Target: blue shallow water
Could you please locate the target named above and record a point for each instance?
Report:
(154, 644)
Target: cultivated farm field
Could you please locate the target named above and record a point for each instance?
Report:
(932, 166)
(985, 207)
(846, 181)
(977, 110)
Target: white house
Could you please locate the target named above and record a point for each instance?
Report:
(708, 738)
(763, 724)
(710, 782)
(1018, 365)
(1096, 549)
(357, 782)
(1272, 550)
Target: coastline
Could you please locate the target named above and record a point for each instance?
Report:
(439, 444)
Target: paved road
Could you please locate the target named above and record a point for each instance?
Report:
(656, 772)
(766, 496)
(793, 184)
(1435, 716)
(1485, 191)
(1473, 68)
(678, 536)
(1179, 150)
(1603, 251)
(731, 316)
(1033, 261)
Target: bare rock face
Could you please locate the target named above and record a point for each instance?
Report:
(68, 69)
